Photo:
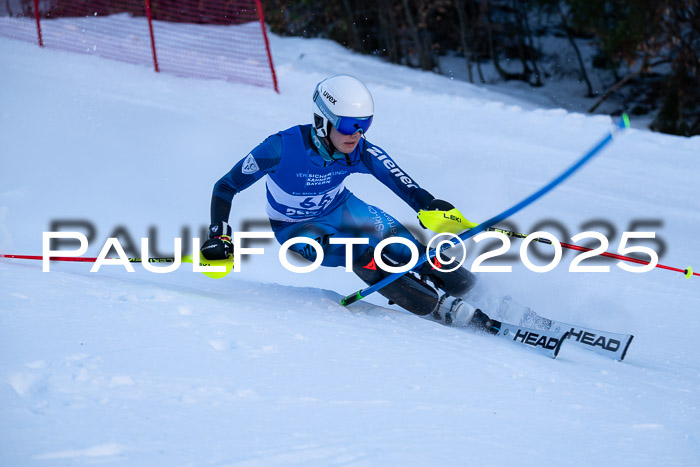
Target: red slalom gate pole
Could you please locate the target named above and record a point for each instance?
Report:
(687, 272)
(149, 17)
(261, 17)
(80, 259)
(37, 16)
(227, 264)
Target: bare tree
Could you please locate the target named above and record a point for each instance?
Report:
(425, 61)
(570, 36)
(465, 36)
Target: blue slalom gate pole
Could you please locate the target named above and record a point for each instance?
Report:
(622, 124)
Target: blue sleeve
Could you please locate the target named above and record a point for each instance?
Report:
(384, 169)
(262, 160)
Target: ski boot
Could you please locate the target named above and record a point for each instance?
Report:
(456, 312)
(482, 322)
(453, 311)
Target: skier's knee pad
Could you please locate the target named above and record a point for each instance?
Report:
(455, 283)
(407, 291)
(366, 269)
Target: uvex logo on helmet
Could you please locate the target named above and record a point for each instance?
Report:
(327, 95)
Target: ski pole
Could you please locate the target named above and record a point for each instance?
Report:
(688, 272)
(622, 124)
(227, 263)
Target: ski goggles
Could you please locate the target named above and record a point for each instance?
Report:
(344, 125)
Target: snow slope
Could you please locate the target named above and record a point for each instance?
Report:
(265, 367)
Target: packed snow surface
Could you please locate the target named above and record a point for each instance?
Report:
(264, 367)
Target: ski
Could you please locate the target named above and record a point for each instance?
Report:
(545, 342)
(609, 344)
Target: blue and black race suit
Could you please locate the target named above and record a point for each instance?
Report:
(306, 195)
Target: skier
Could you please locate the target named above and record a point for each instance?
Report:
(305, 167)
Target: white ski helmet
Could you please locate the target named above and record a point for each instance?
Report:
(344, 102)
